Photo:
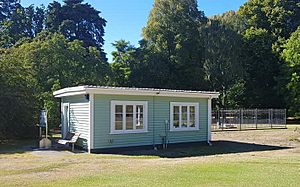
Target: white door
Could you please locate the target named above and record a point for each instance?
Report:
(65, 121)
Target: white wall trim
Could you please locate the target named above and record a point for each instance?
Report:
(209, 120)
(63, 116)
(112, 117)
(91, 122)
(66, 94)
(196, 105)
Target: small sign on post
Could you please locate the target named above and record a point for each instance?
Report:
(44, 142)
(43, 118)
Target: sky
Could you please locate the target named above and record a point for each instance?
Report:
(126, 18)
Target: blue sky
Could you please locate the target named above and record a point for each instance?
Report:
(126, 18)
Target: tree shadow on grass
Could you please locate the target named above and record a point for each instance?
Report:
(23, 146)
(200, 149)
(17, 146)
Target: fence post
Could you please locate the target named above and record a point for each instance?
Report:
(285, 118)
(256, 118)
(241, 116)
(222, 125)
(269, 111)
(272, 120)
(218, 119)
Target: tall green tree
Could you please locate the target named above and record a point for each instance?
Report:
(232, 20)
(172, 31)
(279, 17)
(22, 22)
(123, 58)
(57, 63)
(7, 7)
(18, 97)
(224, 63)
(77, 20)
(268, 24)
(262, 68)
(291, 56)
(149, 69)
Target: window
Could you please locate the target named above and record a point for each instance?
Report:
(128, 117)
(184, 116)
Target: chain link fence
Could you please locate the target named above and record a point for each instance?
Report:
(246, 119)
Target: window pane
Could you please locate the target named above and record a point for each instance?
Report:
(129, 121)
(184, 116)
(184, 120)
(139, 109)
(192, 109)
(176, 109)
(129, 125)
(139, 123)
(192, 122)
(176, 124)
(139, 117)
(176, 117)
(119, 108)
(129, 109)
(119, 117)
(118, 125)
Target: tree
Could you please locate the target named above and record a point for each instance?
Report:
(149, 69)
(232, 20)
(7, 7)
(18, 97)
(123, 58)
(172, 32)
(224, 64)
(22, 22)
(291, 55)
(56, 63)
(279, 17)
(76, 20)
(268, 24)
(262, 69)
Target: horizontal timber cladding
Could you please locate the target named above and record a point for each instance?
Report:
(79, 118)
(158, 113)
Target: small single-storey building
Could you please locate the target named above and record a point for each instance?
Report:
(120, 117)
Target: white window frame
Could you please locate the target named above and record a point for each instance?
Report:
(180, 104)
(124, 103)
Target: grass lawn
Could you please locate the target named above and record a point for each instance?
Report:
(248, 158)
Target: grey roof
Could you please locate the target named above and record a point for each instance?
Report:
(150, 89)
(78, 90)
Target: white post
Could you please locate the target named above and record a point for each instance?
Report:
(91, 120)
(209, 120)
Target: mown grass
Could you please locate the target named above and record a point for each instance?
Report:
(280, 171)
(39, 169)
(223, 164)
(252, 173)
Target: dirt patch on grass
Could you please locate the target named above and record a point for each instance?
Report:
(280, 138)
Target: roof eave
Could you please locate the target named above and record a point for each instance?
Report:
(151, 93)
(80, 90)
(70, 91)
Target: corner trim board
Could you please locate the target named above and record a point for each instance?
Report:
(91, 131)
(209, 120)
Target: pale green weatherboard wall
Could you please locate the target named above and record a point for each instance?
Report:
(79, 117)
(160, 107)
